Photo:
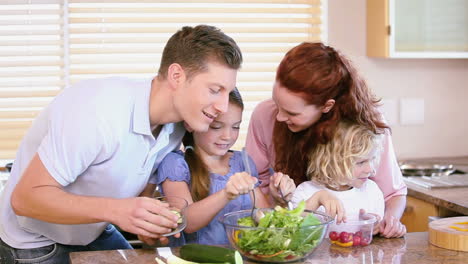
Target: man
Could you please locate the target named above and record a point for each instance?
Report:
(91, 152)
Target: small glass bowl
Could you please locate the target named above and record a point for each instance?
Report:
(177, 205)
(355, 232)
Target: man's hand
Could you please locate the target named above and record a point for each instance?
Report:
(144, 216)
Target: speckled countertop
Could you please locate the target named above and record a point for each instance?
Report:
(413, 248)
(454, 199)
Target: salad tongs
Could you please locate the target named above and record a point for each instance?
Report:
(255, 214)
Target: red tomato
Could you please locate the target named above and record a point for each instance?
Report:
(346, 237)
(333, 236)
(358, 233)
(356, 240)
(365, 241)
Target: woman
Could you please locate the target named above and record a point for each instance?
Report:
(316, 88)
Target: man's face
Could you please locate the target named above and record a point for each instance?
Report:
(202, 98)
(294, 110)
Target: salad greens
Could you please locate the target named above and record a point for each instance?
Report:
(295, 235)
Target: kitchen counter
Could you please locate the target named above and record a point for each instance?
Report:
(413, 248)
(453, 199)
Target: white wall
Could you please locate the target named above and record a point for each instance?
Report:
(442, 83)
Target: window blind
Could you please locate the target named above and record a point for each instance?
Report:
(31, 60)
(122, 37)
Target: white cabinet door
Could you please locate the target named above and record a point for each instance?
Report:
(428, 28)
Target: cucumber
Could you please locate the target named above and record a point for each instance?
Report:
(176, 260)
(179, 220)
(206, 254)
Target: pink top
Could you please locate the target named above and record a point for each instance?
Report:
(260, 147)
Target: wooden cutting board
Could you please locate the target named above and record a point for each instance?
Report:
(442, 235)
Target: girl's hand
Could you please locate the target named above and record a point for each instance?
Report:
(239, 183)
(390, 226)
(155, 241)
(364, 216)
(281, 182)
(333, 206)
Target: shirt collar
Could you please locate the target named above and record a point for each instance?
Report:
(141, 116)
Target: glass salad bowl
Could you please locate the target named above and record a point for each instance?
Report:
(281, 236)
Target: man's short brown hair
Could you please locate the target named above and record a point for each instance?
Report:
(193, 47)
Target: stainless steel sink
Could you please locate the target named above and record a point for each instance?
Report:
(428, 169)
(435, 175)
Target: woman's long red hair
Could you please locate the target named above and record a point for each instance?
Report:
(318, 73)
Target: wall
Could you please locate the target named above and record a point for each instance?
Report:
(442, 83)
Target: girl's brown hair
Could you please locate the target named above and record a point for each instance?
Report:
(318, 73)
(199, 174)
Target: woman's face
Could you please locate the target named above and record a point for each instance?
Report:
(295, 111)
(222, 133)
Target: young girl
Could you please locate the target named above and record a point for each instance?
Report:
(211, 177)
(343, 167)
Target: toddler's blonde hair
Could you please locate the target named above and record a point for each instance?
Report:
(332, 164)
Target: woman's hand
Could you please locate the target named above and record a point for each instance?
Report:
(239, 183)
(333, 206)
(280, 182)
(390, 226)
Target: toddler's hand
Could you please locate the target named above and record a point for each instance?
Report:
(364, 216)
(333, 206)
(239, 183)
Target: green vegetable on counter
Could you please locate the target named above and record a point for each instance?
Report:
(176, 260)
(206, 253)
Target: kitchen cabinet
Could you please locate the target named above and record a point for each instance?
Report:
(417, 213)
(417, 28)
